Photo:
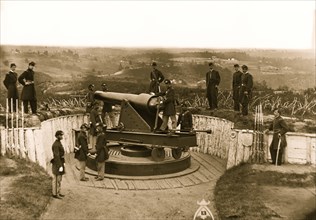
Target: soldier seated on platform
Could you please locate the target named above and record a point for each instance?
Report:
(185, 119)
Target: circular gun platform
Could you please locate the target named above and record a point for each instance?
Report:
(137, 164)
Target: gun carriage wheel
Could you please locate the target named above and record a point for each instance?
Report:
(176, 152)
(158, 154)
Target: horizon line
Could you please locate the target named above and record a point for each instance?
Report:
(159, 47)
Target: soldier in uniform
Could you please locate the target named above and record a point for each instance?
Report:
(212, 81)
(82, 151)
(236, 87)
(185, 119)
(28, 92)
(10, 83)
(169, 107)
(279, 128)
(58, 167)
(245, 89)
(102, 152)
(107, 110)
(90, 98)
(156, 77)
(95, 120)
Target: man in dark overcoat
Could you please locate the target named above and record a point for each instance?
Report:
(10, 83)
(236, 87)
(156, 77)
(245, 89)
(102, 152)
(279, 128)
(28, 94)
(169, 110)
(212, 81)
(82, 152)
(58, 167)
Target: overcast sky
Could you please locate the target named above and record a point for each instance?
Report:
(202, 24)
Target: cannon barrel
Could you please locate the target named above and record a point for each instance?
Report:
(143, 101)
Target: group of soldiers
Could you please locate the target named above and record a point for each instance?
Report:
(96, 144)
(28, 95)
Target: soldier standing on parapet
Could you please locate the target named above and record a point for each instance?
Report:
(212, 81)
(245, 90)
(10, 83)
(156, 77)
(28, 94)
(236, 87)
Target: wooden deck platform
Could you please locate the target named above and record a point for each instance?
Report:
(210, 169)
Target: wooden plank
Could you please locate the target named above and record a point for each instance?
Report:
(108, 183)
(239, 149)
(313, 151)
(200, 176)
(140, 184)
(163, 184)
(185, 181)
(152, 184)
(194, 179)
(174, 183)
(3, 141)
(21, 143)
(130, 184)
(120, 184)
(212, 169)
(39, 151)
(30, 145)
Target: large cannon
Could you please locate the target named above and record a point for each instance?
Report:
(138, 120)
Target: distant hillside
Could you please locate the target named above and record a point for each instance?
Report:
(68, 70)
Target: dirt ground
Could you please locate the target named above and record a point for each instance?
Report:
(94, 203)
(82, 202)
(85, 202)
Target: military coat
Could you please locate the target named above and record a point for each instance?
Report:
(185, 121)
(28, 91)
(101, 148)
(83, 146)
(246, 86)
(169, 103)
(156, 77)
(58, 158)
(10, 83)
(278, 126)
(236, 85)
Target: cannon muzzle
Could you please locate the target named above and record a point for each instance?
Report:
(141, 102)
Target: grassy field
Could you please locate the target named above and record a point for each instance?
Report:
(239, 194)
(25, 189)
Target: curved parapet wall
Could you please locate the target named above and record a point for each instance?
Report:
(217, 143)
(234, 145)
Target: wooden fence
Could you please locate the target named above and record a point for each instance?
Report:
(224, 142)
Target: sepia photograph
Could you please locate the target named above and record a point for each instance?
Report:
(157, 109)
